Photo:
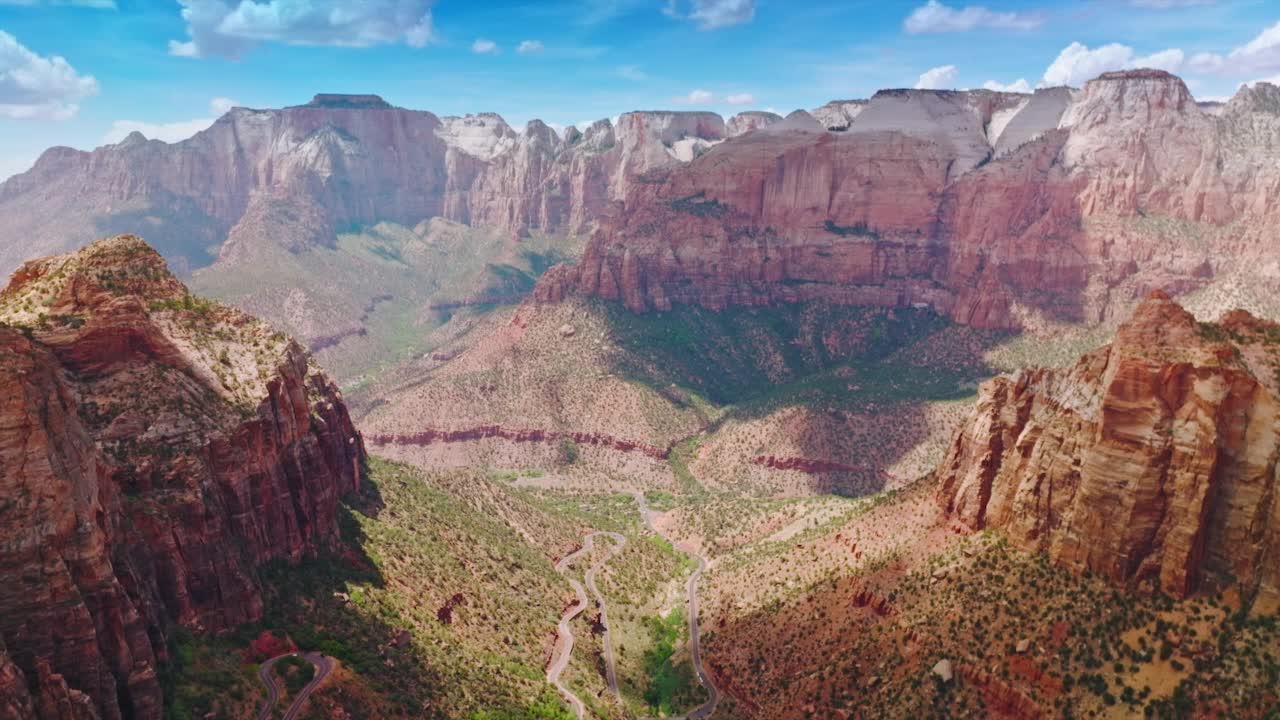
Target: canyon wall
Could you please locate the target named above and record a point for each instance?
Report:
(993, 208)
(1152, 461)
(996, 209)
(294, 177)
(155, 451)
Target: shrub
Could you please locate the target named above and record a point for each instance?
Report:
(568, 452)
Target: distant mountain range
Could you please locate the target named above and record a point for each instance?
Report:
(997, 209)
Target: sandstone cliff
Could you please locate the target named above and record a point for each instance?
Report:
(293, 177)
(996, 209)
(1152, 461)
(999, 210)
(155, 450)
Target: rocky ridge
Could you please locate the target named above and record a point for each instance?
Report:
(156, 450)
(997, 209)
(1152, 461)
(292, 177)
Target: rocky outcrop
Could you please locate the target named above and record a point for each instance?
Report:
(992, 208)
(261, 180)
(838, 115)
(155, 450)
(996, 209)
(15, 699)
(745, 122)
(1152, 461)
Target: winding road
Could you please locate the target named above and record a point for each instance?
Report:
(323, 664)
(695, 641)
(564, 636)
(610, 666)
(564, 641)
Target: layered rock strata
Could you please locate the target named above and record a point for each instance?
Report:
(1152, 461)
(155, 451)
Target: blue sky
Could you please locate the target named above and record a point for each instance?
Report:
(82, 72)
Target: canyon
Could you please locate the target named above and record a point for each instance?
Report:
(157, 451)
(819, 346)
(996, 209)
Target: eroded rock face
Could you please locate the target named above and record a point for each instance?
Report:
(745, 122)
(1152, 461)
(15, 700)
(989, 207)
(258, 179)
(143, 434)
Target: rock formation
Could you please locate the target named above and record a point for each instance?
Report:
(989, 207)
(293, 177)
(1152, 461)
(993, 208)
(155, 450)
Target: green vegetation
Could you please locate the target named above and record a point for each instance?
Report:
(856, 230)
(1089, 645)
(670, 685)
(207, 676)
(568, 452)
(432, 561)
(388, 287)
(752, 353)
(187, 303)
(678, 459)
(699, 205)
(548, 707)
(296, 673)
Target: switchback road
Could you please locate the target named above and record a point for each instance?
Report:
(323, 665)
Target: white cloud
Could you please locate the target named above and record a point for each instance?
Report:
(229, 28)
(1259, 55)
(632, 72)
(1077, 63)
(484, 47)
(700, 97)
(741, 99)
(1171, 60)
(937, 78)
(33, 86)
(1017, 86)
(713, 14)
(220, 105)
(935, 17)
(529, 47)
(169, 132)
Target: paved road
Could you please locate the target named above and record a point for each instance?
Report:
(695, 641)
(564, 640)
(564, 643)
(324, 665)
(610, 666)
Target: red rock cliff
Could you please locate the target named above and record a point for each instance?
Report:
(154, 451)
(986, 206)
(1151, 461)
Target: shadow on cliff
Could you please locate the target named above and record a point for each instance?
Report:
(321, 604)
(864, 378)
